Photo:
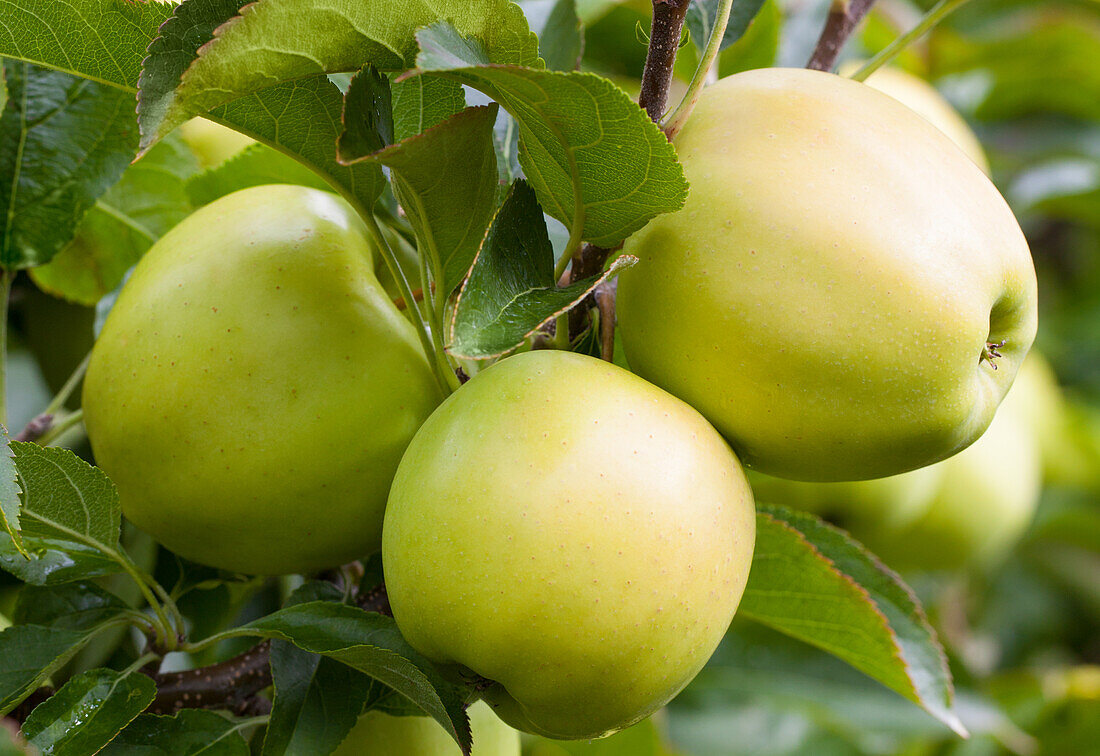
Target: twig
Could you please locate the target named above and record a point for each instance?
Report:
(605, 302)
(36, 428)
(844, 16)
(677, 118)
(232, 685)
(664, 40)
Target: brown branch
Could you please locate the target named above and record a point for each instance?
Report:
(844, 16)
(36, 428)
(605, 302)
(232, 685)
(664, 41)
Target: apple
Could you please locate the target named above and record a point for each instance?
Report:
(926, 101)
(572, 534)
(844, 295)
(5, 623)
(381, 733)
(253, 388)
(211, 142)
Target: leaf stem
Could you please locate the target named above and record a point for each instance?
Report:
(165, 636)
(930, 19)
(66, 391)
(141, 662)
(56, 429)
(678, 117)
(6, 277)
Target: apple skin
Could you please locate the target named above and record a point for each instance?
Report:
(572, 533)
(211, 142)
(381, 733)
(253, 388)
(926, 101)
(826, 294)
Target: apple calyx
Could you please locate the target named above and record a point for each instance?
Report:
(990, 353)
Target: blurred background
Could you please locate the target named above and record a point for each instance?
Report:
(1002, 544)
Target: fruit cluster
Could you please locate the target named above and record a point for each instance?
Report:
(844, 296)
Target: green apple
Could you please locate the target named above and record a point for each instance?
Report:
(571, 533)
(380, 733)
(832, 295)
(211, 142)
(987, 497)
(5, 623)
(253, 389)
(924, 99)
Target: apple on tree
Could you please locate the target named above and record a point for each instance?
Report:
(211, 142)
(253, 388)
(840, 308)
(381, 733)
(583, 552)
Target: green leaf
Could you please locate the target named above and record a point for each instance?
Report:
(813, 582)
(29, 654)
(595, 160)
(65, 498)
(53, 561)
(75, 606)
(63, 142)
(255, 165)
(149, 200)
(283, 40)
(372, 644)
(446, 181)
(88, 712)
(702, 14)
(9, 495)
(102, 40)
(192, 732)
(422, 102)
(368, 116)
(511, 289)
(561, 36)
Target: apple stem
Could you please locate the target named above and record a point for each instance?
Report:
(844, 16)
(930, 19)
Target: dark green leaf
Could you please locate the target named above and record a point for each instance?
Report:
(372, 644)
(88, 711)
(74, 606)
(446, 180)
(511, 289)
(811, 581)
(288, 40)
(561, 36)
(192, 732)
(368, 116)
(29, 654)
(65, 498)
(702, 15)
(9, 493)
(98, 40)
(148, 201)
(596, 161)
(63, 142)
(52, 561)
(255, 165)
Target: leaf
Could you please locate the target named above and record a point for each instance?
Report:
(98, 40)
(192, 732)
(148, 201)
(422, 102)
(65, 498)
(561, 36)
(702, 14)
(9, 493)
(372, 644)
(511, 289)
(51, 561)
(63, 142)
(284, 40)
(446, 180)
(75, 606)
(594, 158)
(368, 116)
(88, 711)
(813, 582)
(29, 654)
(255, 165)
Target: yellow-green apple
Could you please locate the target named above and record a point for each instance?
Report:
(844, 295)
(987, 497)
(926, 101)
(380, 733)
(571, 533)
(253, 389)
(211, 142)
